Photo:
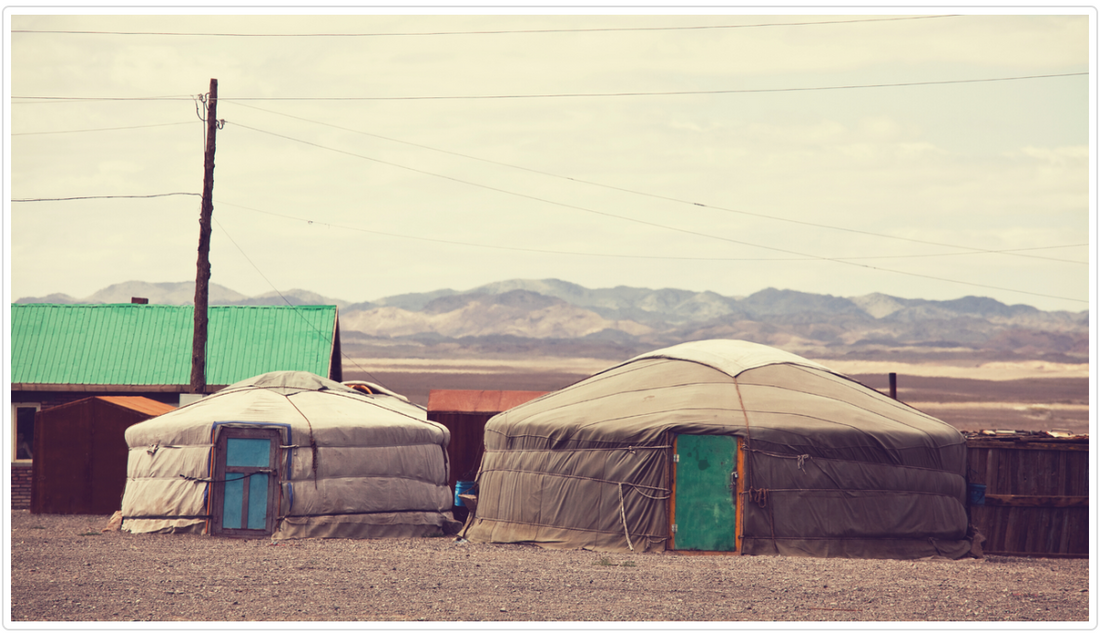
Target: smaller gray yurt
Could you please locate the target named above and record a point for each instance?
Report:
(289, 455)
(727, 446)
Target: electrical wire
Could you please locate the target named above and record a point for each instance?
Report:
(666, 93)
(320, 331)
(581, 208)
(165, 194)
(486, 32)
(808, 256)
(666, 198)
(648, 257)
(574, 95)
(97, 130)
(622, 217)
(61, 98)
(654, 224)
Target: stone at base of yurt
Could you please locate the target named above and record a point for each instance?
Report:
(196, 527)
(373, 525)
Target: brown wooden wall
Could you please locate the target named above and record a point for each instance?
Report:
(1036, 497)
(80, 454)
(464, 450)
(464, 413)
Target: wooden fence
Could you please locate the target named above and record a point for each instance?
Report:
(1036, 495)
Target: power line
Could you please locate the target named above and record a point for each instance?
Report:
(672, 199)
(573, 253)
(649, 223)
(570, 95)
(287, 301)
(841, 260)
(484, 32)
(165, 194)
(556, 203)
(97, 130)
(70, 98)
(664, 93)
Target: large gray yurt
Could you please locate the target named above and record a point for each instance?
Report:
(723, 445)
(288, 455)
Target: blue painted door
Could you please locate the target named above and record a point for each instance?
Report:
(245, 482)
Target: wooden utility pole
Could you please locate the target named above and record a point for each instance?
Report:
(202, 278)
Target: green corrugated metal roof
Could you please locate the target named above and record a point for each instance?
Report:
(131, 344)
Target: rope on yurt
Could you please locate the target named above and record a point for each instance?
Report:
(152, 451)
(213, 481)
(651, 497)
(638, 487)
(207, 496)
(759, 496)
(312, 440)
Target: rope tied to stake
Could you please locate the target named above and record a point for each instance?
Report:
(622, 515)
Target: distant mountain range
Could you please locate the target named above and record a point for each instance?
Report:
(558, 318)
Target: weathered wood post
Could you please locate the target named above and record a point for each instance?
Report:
(202, 278)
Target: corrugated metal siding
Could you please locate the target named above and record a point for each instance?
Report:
(139, 404)
(100, 344)
(486, 401)
(245, 341)
(130, 344)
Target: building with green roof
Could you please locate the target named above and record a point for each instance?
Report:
(62, 353)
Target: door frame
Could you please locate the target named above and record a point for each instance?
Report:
(737, 494)
(274, 470)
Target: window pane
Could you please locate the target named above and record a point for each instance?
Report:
(234, 499)
(24, 432)
(248, 452)
(257, 501)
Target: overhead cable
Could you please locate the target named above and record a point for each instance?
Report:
(666, 198)
(648, 223)
(574, 253)
(484, 32)
(567, 95)
(98, 130)
(73, 98)
(164, 194)
(286, 300)
(664, 93)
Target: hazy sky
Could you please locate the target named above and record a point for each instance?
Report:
(371, 155)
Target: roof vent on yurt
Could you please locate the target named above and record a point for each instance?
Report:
(290, 454)
(723, 445)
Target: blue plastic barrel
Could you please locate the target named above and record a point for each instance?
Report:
(468, 487)
(977, 494)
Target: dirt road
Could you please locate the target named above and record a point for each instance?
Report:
(64, 569)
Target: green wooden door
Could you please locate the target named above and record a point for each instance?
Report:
(704, 508)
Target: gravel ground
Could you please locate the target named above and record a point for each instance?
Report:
(64, 569)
